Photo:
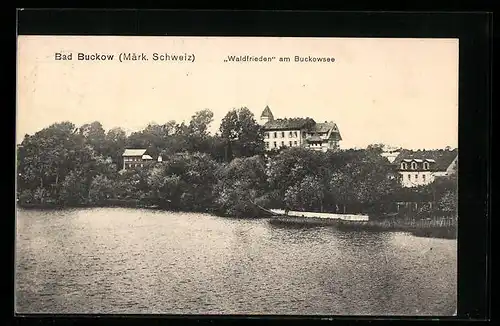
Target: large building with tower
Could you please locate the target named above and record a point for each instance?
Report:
(298, 132)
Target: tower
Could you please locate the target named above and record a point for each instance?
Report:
(266, 115)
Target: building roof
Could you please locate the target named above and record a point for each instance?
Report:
(134, 152)
(287, 124)
(267, 113)
(146, 157)
(324, 127)
(441, 158)
(327, 127)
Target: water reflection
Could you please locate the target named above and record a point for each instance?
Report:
(140, 261)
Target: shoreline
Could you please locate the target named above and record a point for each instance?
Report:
(423, 228)
(431, 230)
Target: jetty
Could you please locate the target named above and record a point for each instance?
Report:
(281, 216)
(343, 217)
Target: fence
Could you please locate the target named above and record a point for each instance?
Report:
(436, 222)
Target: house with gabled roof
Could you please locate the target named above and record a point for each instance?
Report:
(135, 157)
(422, 167)
(298, 132)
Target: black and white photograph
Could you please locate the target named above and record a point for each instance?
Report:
(236, 175)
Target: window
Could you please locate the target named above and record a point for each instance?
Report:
(426, 165)
(282, 143)
(403, 166)
(409, 177)
(274, 144)
(290, 143)
(423, 177)
(275, 136)
(413, 165)
(267, 144)
(295, 143)
(282, 134)
(267, 135)
(290, 134)
(416, 176)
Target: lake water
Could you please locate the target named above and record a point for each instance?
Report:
(113, 260)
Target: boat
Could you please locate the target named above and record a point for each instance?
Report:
(280, 216)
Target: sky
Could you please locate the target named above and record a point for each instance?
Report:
(400, 92)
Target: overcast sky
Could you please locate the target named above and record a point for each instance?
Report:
(402, 92)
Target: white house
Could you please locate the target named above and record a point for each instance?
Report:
(133, 158)
(418, 168)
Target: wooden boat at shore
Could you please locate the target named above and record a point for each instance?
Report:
(279, 216)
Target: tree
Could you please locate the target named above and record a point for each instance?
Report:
(101, 189)
(242, 134)
(448, 202)
(116, 139)
(197, 136)
(95, 136)
(377, 148)
(200, 122)
(241, 184)
(74, 189)
(183, 180)
(291, 166)
(46, 157)
(308, 194)
(154, 138)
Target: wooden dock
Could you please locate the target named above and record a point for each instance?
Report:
(314, 215)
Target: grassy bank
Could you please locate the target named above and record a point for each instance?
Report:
(445, 228)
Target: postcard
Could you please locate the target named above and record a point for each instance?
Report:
(236, 175)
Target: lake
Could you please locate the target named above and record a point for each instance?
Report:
(114, 260)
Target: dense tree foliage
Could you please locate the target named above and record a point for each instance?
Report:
(240, 184)
(224, 173)
(241, 134)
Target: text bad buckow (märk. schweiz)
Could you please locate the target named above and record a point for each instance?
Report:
(126, 56)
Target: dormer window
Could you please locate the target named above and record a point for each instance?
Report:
(404, 166)
(413, 165)
(426, 165)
